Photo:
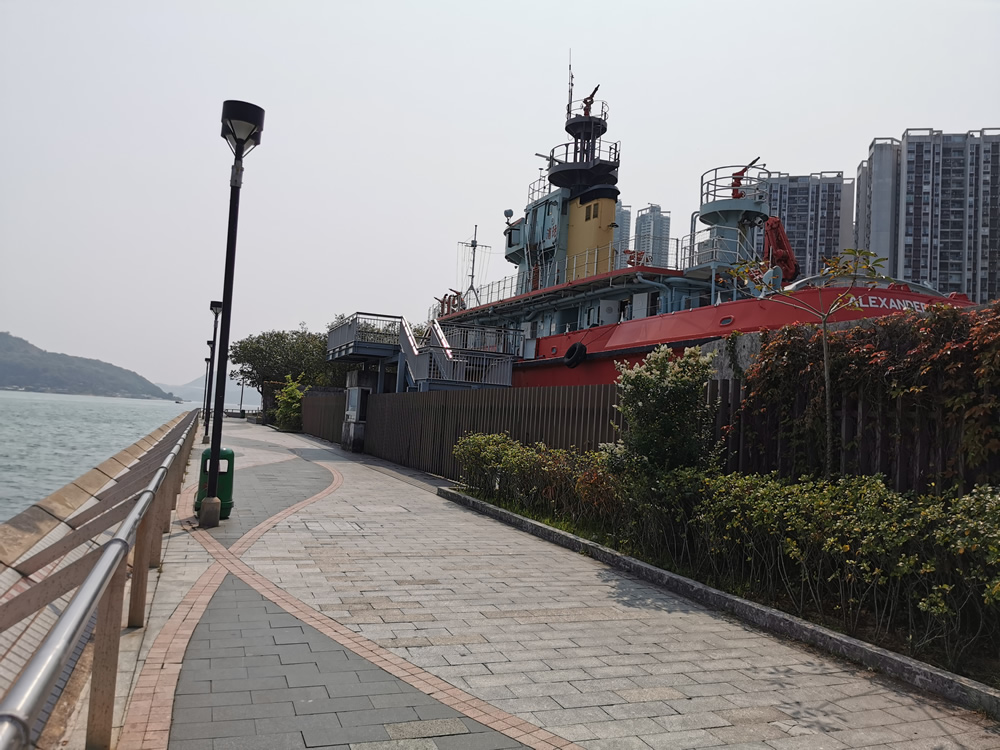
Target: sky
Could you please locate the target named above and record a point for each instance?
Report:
(392, 129)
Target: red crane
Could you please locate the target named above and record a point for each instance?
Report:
(778, 250)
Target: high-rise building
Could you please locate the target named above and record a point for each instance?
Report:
(817, 211)
(876, 224)
(932, 209)
(623, 231)
(652, 235)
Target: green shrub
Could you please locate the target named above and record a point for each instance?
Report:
(288, 415)
(668, 421)
(916, 572)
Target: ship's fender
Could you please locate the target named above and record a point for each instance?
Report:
(575, 355)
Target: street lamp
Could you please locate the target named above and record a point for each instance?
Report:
(216, 308)
(242, 124)
(208, 392)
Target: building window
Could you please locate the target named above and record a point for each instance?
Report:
(588, 214)
(595, 210)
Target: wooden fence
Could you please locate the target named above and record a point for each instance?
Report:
(912, 444)
(323, 415)
(419, 430)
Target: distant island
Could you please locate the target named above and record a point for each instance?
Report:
(25, 367)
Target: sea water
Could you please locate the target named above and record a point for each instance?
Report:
(47, 440)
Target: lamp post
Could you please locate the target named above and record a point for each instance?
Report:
(242, 124)
(208, 392)
(216, 308)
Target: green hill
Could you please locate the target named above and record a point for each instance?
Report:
(28, 368)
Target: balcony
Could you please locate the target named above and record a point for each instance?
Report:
(363, 337)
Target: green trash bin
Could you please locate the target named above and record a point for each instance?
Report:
(225, 489)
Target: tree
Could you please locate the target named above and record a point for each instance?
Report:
(851, 268)
(269, 356)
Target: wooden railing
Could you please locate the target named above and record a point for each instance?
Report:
(69, 541)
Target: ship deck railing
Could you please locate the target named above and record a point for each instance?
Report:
(725, 183)
(617, 256)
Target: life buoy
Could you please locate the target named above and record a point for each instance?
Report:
(575, 355)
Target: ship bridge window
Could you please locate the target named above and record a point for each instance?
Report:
(588, 214)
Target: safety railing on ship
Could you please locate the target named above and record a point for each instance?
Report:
(585, 108)
(727, 183)
(583, 152)
(100, 589)
(614, 257)
(709, 246)
(483, 338)
(539, 189)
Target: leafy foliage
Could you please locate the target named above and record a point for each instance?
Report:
(849, 269)
(933, 375)
(289, 413)
(668, 422)
(920, 573)
(269, 356)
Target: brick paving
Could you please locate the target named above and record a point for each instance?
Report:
(350, 607)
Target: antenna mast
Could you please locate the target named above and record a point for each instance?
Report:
(472, 272)
(569, 104)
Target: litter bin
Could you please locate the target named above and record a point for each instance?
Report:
(225, 489)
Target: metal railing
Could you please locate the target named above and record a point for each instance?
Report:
(484, 338)
(103, 590)
(613, 257)
(709, 246)
(369, 328)
(725, 183)
(483, 368)
(539, 189)
(582, 108)
(585, 152)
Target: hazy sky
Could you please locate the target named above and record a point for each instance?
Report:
(394, 127)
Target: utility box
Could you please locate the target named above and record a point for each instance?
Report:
(352, 436)
(225, 489)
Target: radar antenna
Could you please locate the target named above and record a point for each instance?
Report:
(472, 246)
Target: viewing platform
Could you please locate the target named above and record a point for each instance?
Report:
(346, 605)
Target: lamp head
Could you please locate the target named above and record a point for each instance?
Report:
(211, 344)
(208, 360)
(215, 307)
(242, 124)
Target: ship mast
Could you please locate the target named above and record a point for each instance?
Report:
(472, 270)
(569, 103)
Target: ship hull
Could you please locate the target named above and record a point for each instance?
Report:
(630, 341)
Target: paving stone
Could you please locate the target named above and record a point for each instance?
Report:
(537, 630)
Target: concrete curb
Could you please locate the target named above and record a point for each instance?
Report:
(958, 689)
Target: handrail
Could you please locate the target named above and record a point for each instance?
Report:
(28, 694)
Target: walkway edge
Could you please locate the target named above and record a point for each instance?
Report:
(961, 690)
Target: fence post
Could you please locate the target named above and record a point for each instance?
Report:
(140, 567)
(104, 673)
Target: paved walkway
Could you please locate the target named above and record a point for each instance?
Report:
(344, 605)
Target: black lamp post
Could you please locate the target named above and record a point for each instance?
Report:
(209, 384)
(216, 307)
(242, 124)
(204, 401)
